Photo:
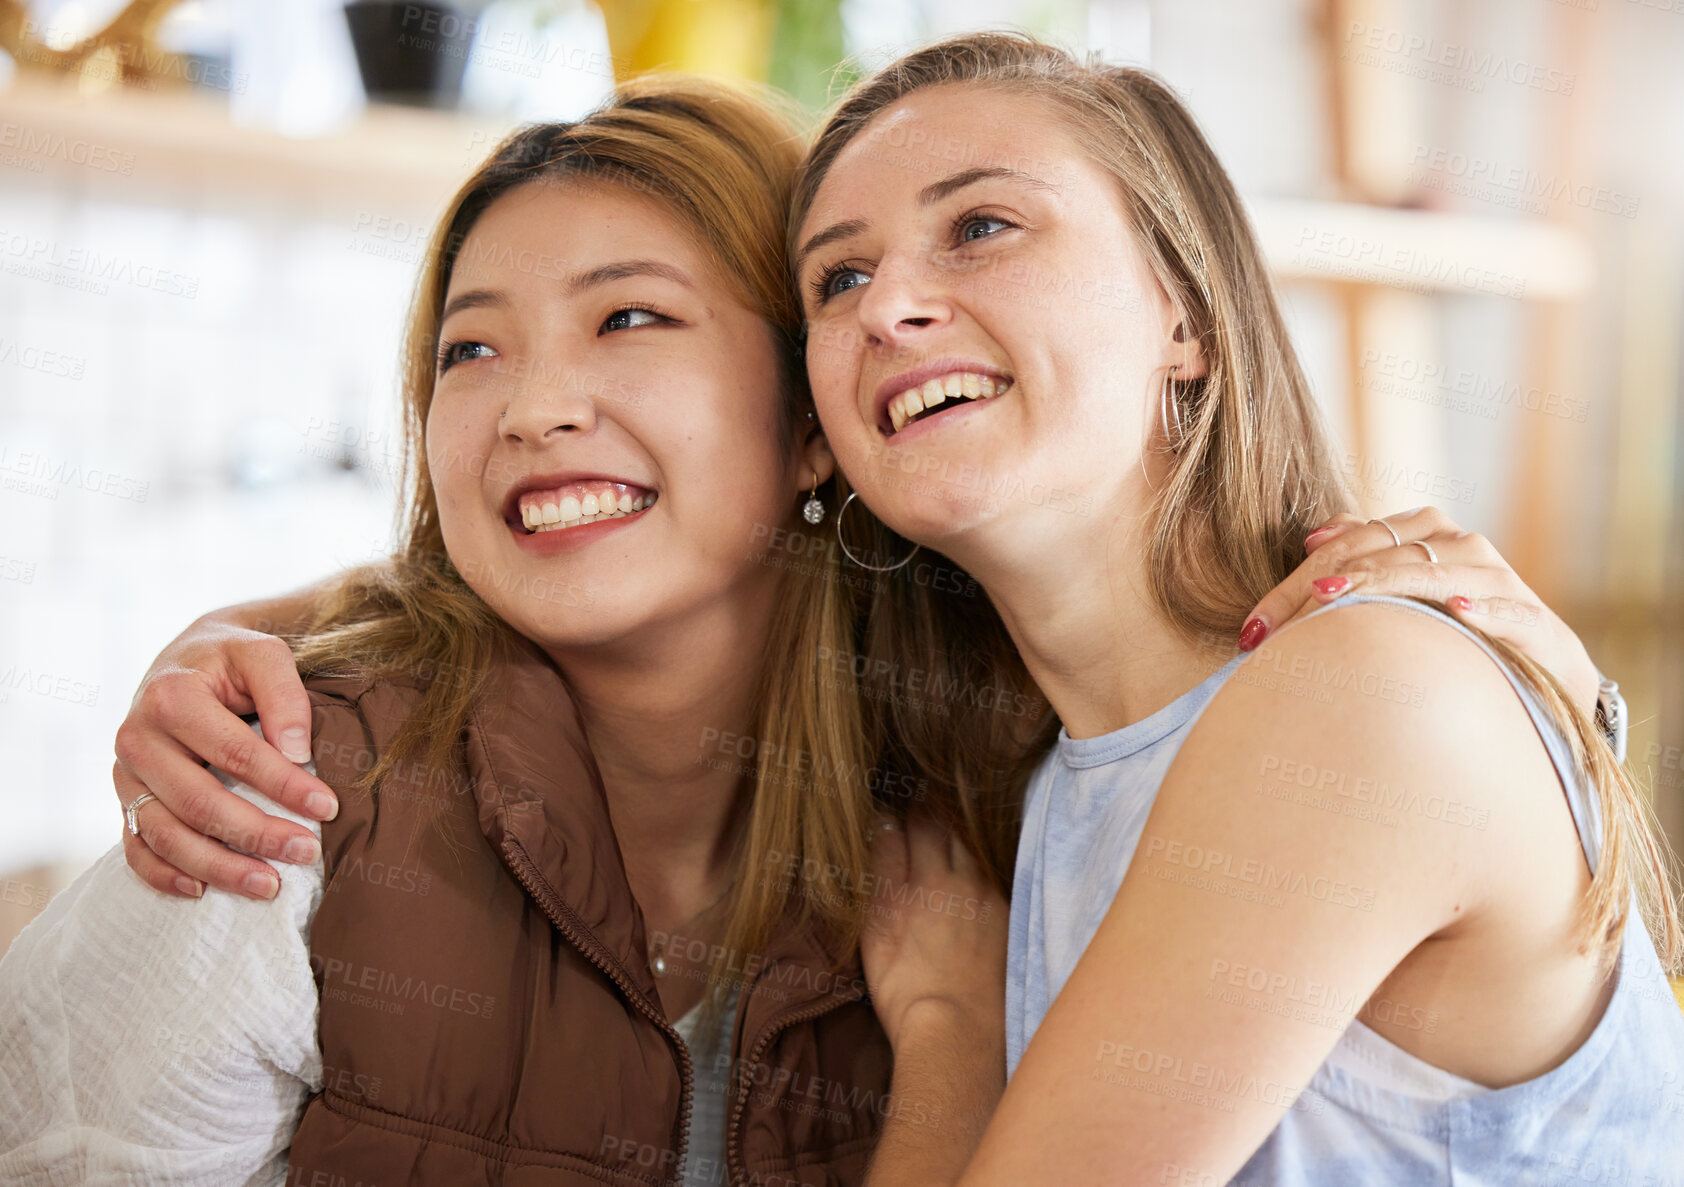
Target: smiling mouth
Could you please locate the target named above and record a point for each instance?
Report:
(578, 503)
(935, 396)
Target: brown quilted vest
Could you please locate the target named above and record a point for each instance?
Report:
(488, 1015)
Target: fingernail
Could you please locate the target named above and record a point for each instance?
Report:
(1331, 587)
(261, 885)
(1253, 634)
(321, 805)
(295, 744)
(1318, 533)
(191, 887)
(1460, 603)
(303, 850)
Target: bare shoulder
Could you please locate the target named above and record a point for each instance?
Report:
(1384, 666)
(1381, 738)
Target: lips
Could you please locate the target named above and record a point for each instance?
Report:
(557, 502)
(934, 388)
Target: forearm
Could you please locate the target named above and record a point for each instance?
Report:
(948, 1078)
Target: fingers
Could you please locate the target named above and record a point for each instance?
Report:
(264, 669)
(1345, 545)
(197, 799)
(155, 871)
(183, 715)
(178, 851)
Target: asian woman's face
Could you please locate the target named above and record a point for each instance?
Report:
(605, 437)
(963, 244)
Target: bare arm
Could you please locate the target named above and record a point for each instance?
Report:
(1136, 1070)
(935, 958)
(186, 714)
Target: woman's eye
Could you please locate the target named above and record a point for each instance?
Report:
(833, 282)
(980, 228)
(626, 319)
(462, 352)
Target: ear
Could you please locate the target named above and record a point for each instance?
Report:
(815, 463)
(1185, 353)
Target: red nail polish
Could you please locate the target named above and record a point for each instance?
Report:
(1330, 587)
(1253, 634)
(1321, 531)
(1460, 603)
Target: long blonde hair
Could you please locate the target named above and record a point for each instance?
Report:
(1253, 472)
(722, 161)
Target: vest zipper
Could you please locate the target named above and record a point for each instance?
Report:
(735, 1172)
(581, 937)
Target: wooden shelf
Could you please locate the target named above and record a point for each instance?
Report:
(164, 144)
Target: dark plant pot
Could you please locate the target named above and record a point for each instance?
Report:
(410, 51)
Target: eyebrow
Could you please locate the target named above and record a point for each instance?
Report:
(937, 190)
(932, 193)
(474, 299)
(621, 269)
(605, 274)
(829, 235)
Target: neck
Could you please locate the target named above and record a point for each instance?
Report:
(1078, 607)
(654, 710)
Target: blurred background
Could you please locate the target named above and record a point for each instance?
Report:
(211, 213)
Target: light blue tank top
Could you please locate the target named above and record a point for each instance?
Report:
(1612, 1114)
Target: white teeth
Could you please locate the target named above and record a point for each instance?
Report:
(572, 511)
(932, 393)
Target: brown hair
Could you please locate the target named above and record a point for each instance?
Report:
(722, 161)
(1252, 473)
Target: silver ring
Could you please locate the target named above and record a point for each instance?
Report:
(1396, 539)
(134, 806)
(1428, 549)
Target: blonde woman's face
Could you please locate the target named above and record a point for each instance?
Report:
(603, 436)
(962, 244)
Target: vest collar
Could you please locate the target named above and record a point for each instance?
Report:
(536, 783)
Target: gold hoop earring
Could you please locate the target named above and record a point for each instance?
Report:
(852, 495)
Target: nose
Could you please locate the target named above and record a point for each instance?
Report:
(904, 301)
(544, 404)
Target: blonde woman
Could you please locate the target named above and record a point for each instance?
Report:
(1365, 905)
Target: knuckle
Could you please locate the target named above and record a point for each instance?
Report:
(164, 842)
(1366, 567)
(1434, 518)
(163, 696)
(1336, 556)
(127, 745)
(237, 756)
(1484, 551)
(196, 810)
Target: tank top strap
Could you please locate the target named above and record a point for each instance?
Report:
(1581, 802)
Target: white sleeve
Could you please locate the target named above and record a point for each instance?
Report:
(152, 1039)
